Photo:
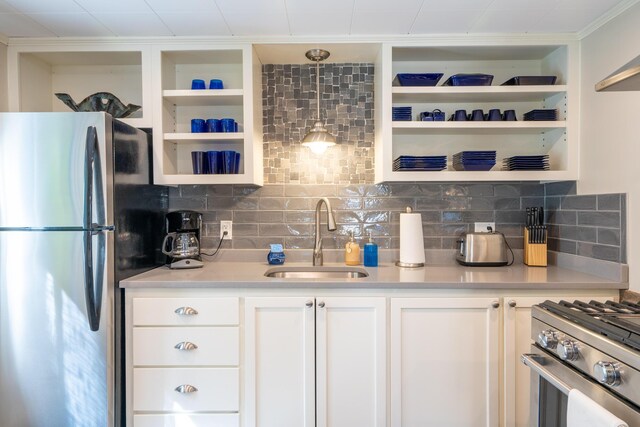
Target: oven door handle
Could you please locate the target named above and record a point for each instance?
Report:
(536, 363)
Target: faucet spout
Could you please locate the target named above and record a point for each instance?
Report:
(331, 226)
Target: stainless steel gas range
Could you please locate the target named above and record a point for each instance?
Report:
(593, 347)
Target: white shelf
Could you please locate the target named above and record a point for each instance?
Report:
(204, 97)
(205, 179)
(498, 175)
(471, 127)
(218, 136)
(475, 93)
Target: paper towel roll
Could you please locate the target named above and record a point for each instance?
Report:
(411, 242)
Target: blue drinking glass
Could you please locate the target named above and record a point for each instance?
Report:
(198, 84)
(214, 125)
(228, 161)
(215, 84)
(197, 161)
(236, 166)
(214, 161)
(228, 125)
(198, 126)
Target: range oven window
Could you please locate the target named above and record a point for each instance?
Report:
(552, 406)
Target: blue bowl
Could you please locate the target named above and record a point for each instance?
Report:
(425, 79)
(469, 80)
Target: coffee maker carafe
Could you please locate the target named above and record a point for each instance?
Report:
(182, 241)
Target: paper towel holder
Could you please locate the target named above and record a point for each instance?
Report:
(409, 264)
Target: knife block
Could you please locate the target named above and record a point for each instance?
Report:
(535, 254)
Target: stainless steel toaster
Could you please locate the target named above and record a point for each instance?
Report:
(482, 249)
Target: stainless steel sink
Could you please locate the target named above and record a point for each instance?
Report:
(317, 272)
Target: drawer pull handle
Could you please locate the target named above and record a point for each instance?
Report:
(185, 345)
(186, 388)
(186, 311)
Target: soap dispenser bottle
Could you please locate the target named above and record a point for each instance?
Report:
(352, 252)
(370, 253)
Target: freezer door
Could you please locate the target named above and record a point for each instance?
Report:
(54, 369)
(49, 164)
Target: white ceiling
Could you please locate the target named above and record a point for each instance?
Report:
(132, 18)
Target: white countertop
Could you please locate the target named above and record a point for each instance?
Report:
(226, 274)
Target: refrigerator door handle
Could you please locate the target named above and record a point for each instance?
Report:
(93, 183)
(94, 279)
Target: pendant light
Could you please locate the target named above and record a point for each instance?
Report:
(318, 139)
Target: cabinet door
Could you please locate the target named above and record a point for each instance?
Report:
(279, 359)
(444, 362)
(351, 362)
(517, 341)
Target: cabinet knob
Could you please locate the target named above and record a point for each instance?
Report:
(321, 304)
(495, 304)
(186, 388)
(309, 304)
(606, 373)
(512, 303)
(186, 311)
(185, 345)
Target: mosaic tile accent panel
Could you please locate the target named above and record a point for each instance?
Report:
(290, 110)
(593, 226)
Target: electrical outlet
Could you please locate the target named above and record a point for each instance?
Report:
(228, 227)
(483, 227)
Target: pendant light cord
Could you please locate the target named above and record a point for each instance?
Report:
(318, 87)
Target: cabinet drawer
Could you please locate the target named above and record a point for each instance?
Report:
(190, 420)
(185, 311)
(215, 346)
(218, 389)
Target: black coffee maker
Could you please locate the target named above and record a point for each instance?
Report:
(182, 241)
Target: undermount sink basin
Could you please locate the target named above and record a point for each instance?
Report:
(317, 272)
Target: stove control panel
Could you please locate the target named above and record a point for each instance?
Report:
(606, 373)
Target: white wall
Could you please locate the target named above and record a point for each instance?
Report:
(4, 99)
(610, 125)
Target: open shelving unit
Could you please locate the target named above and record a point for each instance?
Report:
(80, 70)
(558, 139)
(176, 104)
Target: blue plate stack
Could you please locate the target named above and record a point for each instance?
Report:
(474, 160)
(526, 163)
(402, 114)
(420, 163)
(541, 115)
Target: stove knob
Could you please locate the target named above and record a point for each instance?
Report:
(567, 350)
(548, 339)
(606, 373)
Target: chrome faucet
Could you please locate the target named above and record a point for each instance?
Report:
(331, 226)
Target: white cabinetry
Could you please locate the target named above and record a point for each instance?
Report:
(184, 362)
(444, 362)
(315, 361)
(175, 105)
(558, 139)
(37, 72)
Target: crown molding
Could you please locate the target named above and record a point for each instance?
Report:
(608, 16)
(408, 39)
(4, 39)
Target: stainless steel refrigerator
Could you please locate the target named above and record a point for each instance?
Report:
(78, 213)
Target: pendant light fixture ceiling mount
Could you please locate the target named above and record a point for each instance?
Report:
(318, 139)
